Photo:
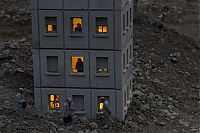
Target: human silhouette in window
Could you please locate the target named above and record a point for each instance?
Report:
(79, 65)
(78, 28)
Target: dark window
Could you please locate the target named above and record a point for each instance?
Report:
(77, 25)
(127, 22)
(102, 64)
(130, 15)
(52, 64)
(124, 22)
(51, 24)
(127, 57)
(130, 52)
(102, 25)
(124, 61)
(78, 101)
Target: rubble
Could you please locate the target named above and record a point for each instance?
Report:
(165, 75)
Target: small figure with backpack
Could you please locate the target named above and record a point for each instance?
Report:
(21, 103)
(68, 111)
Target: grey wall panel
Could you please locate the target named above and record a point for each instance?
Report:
(34, 4)
(105, 93)
(101, 41)
(101, 4)
(37, 98)
(118, 70)
(118, 4)
(36, 68)
(104, 80)
(35, 32)
(117, 33)
(77, 79)
(45, 97)
(50, 4)
(76, 4)
(52, 79)
(51, 40)
(87, 101)
(119, 105)
(73, 40)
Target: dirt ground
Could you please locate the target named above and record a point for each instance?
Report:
(169, 94)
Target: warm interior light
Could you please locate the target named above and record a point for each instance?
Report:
(50, 28)
(74, 61)
(51, 97)
(101, 106)
(77, 21)
(102, 29)
(54, 101)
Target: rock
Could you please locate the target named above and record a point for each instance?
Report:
(6, 52)
(53, 124)
(138, 93)
(80, 131)
(131, 124)
(105, 127)
(61, 129)
(22, 40)
(161, 123)
(93, 125)
(2, 124)
(185, 124)
(94, 131)
(84, 120)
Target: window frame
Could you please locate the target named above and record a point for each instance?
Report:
(98, 20)
(72, 26)
(49, 20)
(54, 102)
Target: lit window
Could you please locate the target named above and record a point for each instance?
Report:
(54, 103)
(52, 64)
(51, 24)
(78, 101)
(77, 64)
(102, 100)
(102, 64)
(102, 26)
(77, 25)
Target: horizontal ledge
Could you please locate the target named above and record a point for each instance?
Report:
(76, 35)
(77, 74)
(79, 113)
(101, 35)
(52, 74)
(51, 34)
(102, 74)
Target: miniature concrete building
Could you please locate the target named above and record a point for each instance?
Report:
(82, 49)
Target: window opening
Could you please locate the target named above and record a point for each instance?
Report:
(52, 64)
(77, 64)
(51, 24)
(77, 25)
(78, 101)
(102, 64)
(101, 24)
(54, 102)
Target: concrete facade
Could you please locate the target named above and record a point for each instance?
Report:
(103, 43)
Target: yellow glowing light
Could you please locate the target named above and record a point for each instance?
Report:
(50, 28)
(101, 106)
(52, 98)
(74, 61)
(57, 105)
(104, 29)
(52, 106)
(77, 21)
